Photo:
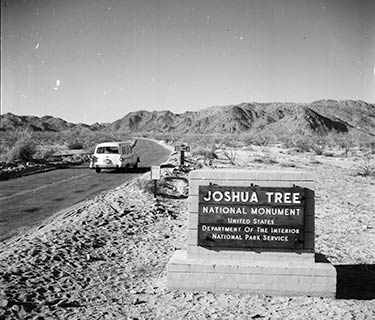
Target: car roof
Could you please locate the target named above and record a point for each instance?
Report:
(112, 144)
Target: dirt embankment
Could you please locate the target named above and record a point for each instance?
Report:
(106, 258)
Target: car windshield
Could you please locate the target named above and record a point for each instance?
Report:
(107, 150)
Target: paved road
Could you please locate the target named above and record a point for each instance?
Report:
(26, 201)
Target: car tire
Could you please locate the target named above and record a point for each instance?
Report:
(98, 170)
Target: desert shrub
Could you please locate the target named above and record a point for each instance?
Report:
(260, 139)
(294, 139)
(198, 141)
(288, 142)
(3, 158)
(45, 153)
(288, 164)
(167, 140)
(246, 138)
(147, 185)
(344, 141)
(367, 146)
(144, 184)
(328, 154)
(75, 145)
(303, 144)
(24, 150)
(208, 154)
(265, 160)
(231, 141)
(366, 168)
(231, 156)
(317, 145)
(306, 142)
(9, 139)
(249, 148)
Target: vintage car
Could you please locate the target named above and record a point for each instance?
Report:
(112, 155)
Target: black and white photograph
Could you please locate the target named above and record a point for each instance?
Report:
(187, 159)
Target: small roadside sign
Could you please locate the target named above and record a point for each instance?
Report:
(155, 172)
(182, 148)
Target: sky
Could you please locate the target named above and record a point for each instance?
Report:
(97, 60)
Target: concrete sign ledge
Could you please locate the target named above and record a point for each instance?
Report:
(279, 278)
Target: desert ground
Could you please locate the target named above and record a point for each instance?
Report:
(106, 258)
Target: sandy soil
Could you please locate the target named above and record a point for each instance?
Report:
(106, 258)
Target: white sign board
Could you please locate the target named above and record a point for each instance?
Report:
(155, 172)
(182, 148)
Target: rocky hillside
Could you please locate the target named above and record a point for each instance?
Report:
(319, 116)
(278, 118)
(11, 122)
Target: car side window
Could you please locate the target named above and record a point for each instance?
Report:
(107, 150)
(112, 150)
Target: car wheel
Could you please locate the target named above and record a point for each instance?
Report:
(98, 170)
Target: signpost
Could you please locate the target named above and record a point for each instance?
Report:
(155, 175)
(182, 149)
(251, 217)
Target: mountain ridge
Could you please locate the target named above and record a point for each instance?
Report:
(321, 116)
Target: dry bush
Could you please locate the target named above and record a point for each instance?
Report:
(208, 154)
(45, 153)
(265, 160)
(288, 164)
(367, 146)
(344, 141)
(23, 150)
(306, 141)
(231, 156)
(302, 144)
(366, 168)
(145, 184)
(318, 145)
(203, 141)
(8, 140)
(328, 154)
(75, 145)
(248, 148)
(261, 138)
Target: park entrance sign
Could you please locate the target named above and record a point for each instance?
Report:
(251, 231)
(251, 217)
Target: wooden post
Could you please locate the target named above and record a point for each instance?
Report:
(155, 175)
(182, 158)
(182, 149)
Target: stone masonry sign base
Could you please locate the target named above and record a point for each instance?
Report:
(272, 270)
